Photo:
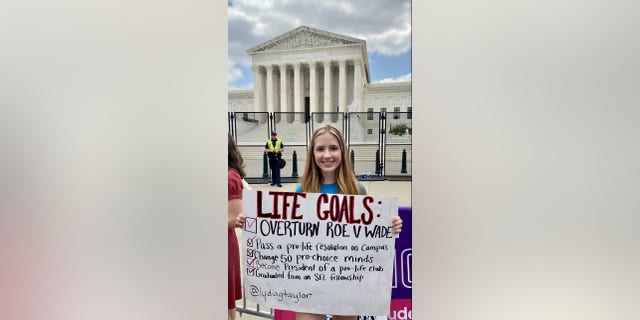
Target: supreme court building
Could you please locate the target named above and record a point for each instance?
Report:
(310, 70)
(307, 72)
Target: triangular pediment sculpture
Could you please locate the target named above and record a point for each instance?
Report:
(304, 37)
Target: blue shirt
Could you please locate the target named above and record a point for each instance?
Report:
(332, 188)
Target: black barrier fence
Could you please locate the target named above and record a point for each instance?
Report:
(379, 142)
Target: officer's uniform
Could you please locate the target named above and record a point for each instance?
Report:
(274, 159)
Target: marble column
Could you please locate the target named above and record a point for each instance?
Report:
(357, 86)
(269, 88)
(342, 93)
(328, 99)
(313, 88)
(297, 89)
(257, 86)
(283, 88)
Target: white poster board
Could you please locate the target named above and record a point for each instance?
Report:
(318, 253)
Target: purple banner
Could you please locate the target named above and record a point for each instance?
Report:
(402, 276)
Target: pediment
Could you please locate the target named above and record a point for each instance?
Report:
(303, 38)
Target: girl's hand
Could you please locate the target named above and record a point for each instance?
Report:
(396, 226)
(239, 221)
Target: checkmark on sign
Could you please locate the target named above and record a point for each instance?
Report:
(250, 241)
(251, 261)
(250, 253)
(251, 271)
(250, 225)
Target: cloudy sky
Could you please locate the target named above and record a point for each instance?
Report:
(384, 24)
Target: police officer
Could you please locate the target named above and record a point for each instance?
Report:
(274, 148)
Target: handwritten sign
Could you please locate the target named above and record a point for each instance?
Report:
(318, 253)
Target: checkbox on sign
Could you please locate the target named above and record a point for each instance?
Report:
(251, 225)
(251, 271)
(250, 242)
(251, 261)
(250, 253)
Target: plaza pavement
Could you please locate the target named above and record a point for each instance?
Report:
(394, 189)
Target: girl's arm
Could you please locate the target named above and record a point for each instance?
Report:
(396, 224)
(235, 216)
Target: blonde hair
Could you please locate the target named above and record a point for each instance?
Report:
(312, 176)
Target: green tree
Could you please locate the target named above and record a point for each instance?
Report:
(400, 129)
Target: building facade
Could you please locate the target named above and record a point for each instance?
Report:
(307, 72)
(310, 70)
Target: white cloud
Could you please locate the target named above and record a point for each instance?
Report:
(404, 78)
(384, 24)
(391, 42)
(233, 73)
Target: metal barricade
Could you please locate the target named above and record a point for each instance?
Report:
(380, 141)
(244, 308)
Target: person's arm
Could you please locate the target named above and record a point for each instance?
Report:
(266, 148)
(396, 225)
(235, 216)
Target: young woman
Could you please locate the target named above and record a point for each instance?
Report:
(327, 171)
(235, 219)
